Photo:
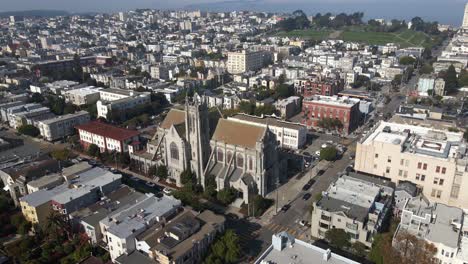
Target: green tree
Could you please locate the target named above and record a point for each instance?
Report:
(426, 69)
(463, 78)
(29, 130)
(37, 98)
(225, 249)
(284, 91)
(337, 238)
(407, 60)
(93, 150)
(162, 172)
(61, 154)
(359, 249)
(226, 195)
(188, 178)
(328, 153)
(247, 107)
(451, 80)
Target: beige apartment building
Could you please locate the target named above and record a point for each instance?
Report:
(243, 61)
(435, 160)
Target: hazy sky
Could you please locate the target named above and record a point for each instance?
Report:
(445, 11)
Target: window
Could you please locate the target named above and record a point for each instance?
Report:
(425, 166)
(402, 161)
(174, 151)
(439, 194)
(405, 174)
(376, 155)
(250, 163)
(240, 160)
(406, 163)
(438, 169)
(444, 170)
(436, 180)
(387, 170)
(229, 156)
(389, 159)
(400, 173)
(433, 192)
(423, 177)
(418, 176)
(441, 182)
(419, 165)
(220, 155)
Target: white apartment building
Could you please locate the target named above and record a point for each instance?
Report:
(289, 135)
(435, 160)
(62, 126)
(441, 225)
(117, 99)
(82, 96)
(356, 203)
(240, 62)
(120, 229)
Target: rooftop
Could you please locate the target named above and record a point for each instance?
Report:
(173, 117)
(266, 120)
(418, 140)
(64, 117)
(287, 249)
(84, 91)
(237, 133)
(333, 100)
(109, 131)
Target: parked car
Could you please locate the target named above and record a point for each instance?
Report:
(167, 191)
(306, 187)
(285, 207)
(320, 172)
(304, 223)
(306, 196)
(150, 184)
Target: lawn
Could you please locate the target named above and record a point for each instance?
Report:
(306, 34)
(405, 38)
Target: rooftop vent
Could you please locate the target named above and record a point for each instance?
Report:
(327, 255)
(387, 129)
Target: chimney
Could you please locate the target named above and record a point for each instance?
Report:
(327, 255)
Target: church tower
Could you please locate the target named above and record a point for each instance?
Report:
(197, 133)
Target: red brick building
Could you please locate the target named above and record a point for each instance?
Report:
(309, 88)
(344, 109)
(107, 137)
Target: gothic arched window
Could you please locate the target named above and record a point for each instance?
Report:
(220, 155)
(174, 151)
(240, 161)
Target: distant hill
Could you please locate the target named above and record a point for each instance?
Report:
(35, 13)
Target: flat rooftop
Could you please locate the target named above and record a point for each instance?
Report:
(266, 120)
(84, 91)
(416, 139)
(64, 117)
(300, 252)
(333, 100)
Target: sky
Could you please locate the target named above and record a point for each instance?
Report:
(444, 11)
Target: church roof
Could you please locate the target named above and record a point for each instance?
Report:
(174, 117)
(236, 133)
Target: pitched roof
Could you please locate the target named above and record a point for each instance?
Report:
(174, 117)
(236, 133)
(109, 131)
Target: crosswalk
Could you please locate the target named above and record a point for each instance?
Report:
(277, 228)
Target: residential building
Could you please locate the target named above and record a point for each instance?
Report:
(435, 160)
(83, 96)
(428, 85)
(119, 100)
(120, 228)
(356, 203)
(186, 237)
(243, 61)
(289, 135)
(80, 189)
(107, 137)
(62, 126)
(438, 224)
(309, 88)
(285, 248)
(344, 109)
(289, 107)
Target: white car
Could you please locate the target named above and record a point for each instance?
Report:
(166, 191)
(303, 223)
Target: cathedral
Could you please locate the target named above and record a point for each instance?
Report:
(237, 155)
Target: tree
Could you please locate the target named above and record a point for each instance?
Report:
(360, 81)
(451, 81)
(61, 154)
(359, 249)
(188, 178)
(410, 249)
(284, 91)
(426, 69)
(161, 172)
(247, 107)
(37, 98)
(328, 153)
(226, 195)
(463, 78)
(337, 238)
(93, 150)
(225, 249)
(407, 60)
(29, 130)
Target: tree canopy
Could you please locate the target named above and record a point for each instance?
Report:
(328, 153)
(29, 130)
(338, 238)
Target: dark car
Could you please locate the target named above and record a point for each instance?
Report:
(306, 154)
(320, 172)
(306, 187)
(285, 207)
(306, 196)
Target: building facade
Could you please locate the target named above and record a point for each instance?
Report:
(243, 61)
(346, 110)
(62, 126)
(435, 160)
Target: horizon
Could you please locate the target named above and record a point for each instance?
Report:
(387, 9)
